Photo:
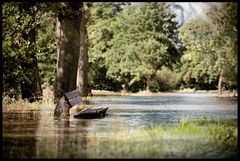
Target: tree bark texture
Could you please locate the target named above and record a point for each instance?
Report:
(82, 73)
(68, 44)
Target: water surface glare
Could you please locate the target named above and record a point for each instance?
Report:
(37, 134)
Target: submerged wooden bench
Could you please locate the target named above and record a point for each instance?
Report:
(73, 98)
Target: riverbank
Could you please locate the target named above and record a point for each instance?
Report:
(173, 93)
(48, 98)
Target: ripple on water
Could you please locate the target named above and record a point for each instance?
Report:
(39, 134)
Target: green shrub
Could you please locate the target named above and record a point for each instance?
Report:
(165, 80)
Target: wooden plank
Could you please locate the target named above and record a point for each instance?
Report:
(72, 94)
(74, 101)
(91, 113)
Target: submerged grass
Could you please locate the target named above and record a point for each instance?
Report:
(200, 137)
(190, 139)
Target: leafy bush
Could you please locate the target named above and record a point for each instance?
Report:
(165, 80)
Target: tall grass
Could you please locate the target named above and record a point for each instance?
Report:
(199, 138)
(10, 104)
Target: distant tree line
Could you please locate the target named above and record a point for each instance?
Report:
(115, 46)
(210, 59)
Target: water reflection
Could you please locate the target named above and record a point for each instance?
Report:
(143, 111)
(19, 132)
(36, 134)
(62, 138)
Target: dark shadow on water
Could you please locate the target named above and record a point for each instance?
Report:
(67, 139)
(38, 135)
(19, 147)
(19, 131)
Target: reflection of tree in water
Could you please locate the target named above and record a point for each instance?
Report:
(19, 130)
(65, 138)
(72, 141)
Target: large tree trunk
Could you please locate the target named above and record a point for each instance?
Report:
(68, 43)
(82, 77)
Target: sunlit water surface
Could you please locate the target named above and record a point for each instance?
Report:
(37, 134)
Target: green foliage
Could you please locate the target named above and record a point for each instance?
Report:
(225, 135)
(62, 9)
(164, 80)
(97, 79)
(142, 41)
(131, 46)
(188, 139)
(211, 48)
(28, 46)
(46, 49)
(133, 42)
(136, 86)
(224, 20)
(100, 34)
(18, 48)
(198, 59)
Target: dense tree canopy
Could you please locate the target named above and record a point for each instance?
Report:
(224, 21)
(211, 45)
(137, 42)
(100, 33)
(198, 60)
(20, 23)
(126, 46)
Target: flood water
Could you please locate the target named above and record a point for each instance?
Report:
(37, 134)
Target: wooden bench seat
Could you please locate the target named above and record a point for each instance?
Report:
(90, 113)
(73, 98)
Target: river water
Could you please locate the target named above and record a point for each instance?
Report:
(37, 134)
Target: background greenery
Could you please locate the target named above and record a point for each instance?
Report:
(131, 47)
